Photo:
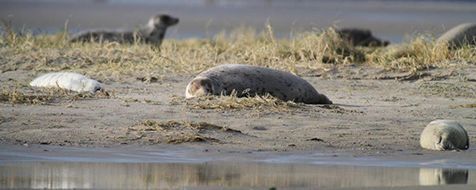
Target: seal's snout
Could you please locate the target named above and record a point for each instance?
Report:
(98, 89)
(176, 21)
(166, 20)
(199, 87)
(325, 100)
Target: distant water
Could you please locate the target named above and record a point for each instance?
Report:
(388, 19)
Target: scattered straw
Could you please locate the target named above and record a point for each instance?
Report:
(14, 95)
(175, 132)
(233, 102)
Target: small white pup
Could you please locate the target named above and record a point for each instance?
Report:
(444, 135)
(65, 80)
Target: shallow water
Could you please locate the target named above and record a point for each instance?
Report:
(220, 175)
(185, 168)
(388, 19)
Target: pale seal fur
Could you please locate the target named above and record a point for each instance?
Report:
(152, 33)
(458, 36)
(444, 135)
(443, 176)
(247, 80)
(69, 81)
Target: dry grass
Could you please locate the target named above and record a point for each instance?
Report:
(232, 102)
(464, 106)
(304, 52)
(175, 132)
(450, 90)
(14, 95)
(421, 52)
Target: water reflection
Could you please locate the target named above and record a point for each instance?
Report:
(161, 175)
(442, 176)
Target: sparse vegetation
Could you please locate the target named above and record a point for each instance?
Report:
(14, 95)
(175, 132)
(303, 52)
(421, 53)
(233, 102)
(461, 89)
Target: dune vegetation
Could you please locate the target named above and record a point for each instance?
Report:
(302, 52)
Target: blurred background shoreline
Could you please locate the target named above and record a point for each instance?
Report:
(388, 19)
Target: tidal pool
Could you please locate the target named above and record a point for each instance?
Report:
(220, 175)
(57, 167)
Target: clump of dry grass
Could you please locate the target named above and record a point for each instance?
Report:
(421, 52)
(14, 95)
(324, 47)
(462, 89)
(151, 125)
(176, 132)
(233, 102)
(306, 51)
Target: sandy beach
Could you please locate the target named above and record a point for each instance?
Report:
(374, 112)
(141, 131)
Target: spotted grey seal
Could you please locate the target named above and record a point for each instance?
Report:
(248, 80)
(458, 36)
(360, 37)
(69, 81)
(444, 135)
(152, 33)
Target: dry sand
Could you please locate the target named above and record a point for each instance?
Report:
(375, 112)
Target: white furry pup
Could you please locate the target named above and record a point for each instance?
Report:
(444, 135)
(65, 80)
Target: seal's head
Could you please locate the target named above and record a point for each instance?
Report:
(200, 86)
(162, 20)
(91, 86)
(323, 99)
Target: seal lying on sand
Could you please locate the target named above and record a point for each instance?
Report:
(463, 34)
(444, 135)
(70, 81)
(153, 33)
(247, 80)
(360, 37)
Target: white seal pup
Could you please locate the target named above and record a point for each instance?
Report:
(444, 135)
(458, 36)
(69, 81)
(152, 33)
(248, 80)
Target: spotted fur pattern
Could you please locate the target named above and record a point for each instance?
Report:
(247, 80)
